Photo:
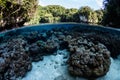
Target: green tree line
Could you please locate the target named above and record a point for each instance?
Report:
(56, 13)
(16, 13)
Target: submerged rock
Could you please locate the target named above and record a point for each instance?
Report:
(14, 61)
(40, 48)
(89, 60)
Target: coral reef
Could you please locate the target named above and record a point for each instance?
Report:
(88, 58)
(14, 61)
(40, 48)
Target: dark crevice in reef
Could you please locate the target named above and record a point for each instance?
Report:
(89, 51)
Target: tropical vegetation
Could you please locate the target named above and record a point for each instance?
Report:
(16, 13)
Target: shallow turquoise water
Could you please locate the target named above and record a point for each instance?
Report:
(113, 74)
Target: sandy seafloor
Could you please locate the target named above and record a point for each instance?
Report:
(54, 67)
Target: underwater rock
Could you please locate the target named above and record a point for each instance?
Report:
(14, 61)
(35, 52)
(91, 60)
(32, 37)
(88, 58)
(110, 41)
(40, 48)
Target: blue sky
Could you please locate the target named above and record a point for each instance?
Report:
(94, 4)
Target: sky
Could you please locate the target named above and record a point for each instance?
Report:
(94, 4)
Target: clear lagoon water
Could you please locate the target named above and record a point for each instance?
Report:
(54, 68)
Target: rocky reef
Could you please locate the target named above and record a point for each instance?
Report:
(87, 58)
(14, 60)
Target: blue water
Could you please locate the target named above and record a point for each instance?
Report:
(113, 74)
